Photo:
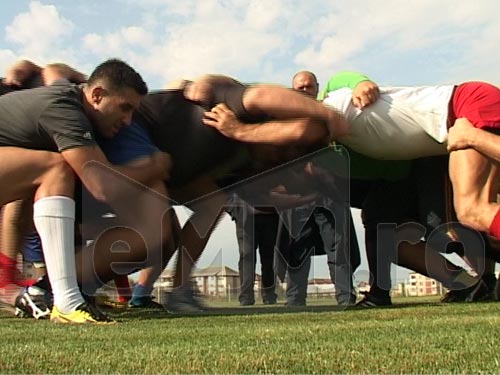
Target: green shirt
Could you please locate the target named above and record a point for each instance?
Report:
(341, 80)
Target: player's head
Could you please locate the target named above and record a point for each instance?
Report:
(114, 90)
(306, 82)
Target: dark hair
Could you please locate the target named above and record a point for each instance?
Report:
(118, 75)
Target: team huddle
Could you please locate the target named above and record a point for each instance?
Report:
(74, 148)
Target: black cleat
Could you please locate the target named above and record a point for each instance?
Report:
(32, 303)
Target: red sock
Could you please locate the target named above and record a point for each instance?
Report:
(8, 268)
(123, 289)
(495, 226)
(10, 274)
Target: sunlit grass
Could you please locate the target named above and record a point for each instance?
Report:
(410, 338)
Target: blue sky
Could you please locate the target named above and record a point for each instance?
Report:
(394, 42)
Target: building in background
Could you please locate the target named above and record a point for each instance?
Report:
(212, 281)
(418, 285)
(222, 282)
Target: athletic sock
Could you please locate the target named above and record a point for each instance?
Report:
(54, 218)
(10, 274)
(123, 288)
(142, 291)
(8, 270)
(495, 226)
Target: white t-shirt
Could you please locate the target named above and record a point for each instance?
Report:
(404, 123)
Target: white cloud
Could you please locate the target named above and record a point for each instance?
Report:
(136, 36)
(330, 51)
(39, 32)
(258, 40)
(225, 48)
(350, 33)
(176, 7)
(7, 57)
(480, 61)
(215, 38)
(127, 41)
(263, 14)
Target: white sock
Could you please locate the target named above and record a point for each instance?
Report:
(54, 219)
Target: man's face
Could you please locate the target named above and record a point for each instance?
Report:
(112, 111)
(307, 84)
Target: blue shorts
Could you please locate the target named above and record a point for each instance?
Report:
(32, 248)
(131, 143)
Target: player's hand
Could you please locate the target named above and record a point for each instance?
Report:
(461, 135)
(223, 119)
(364, 94)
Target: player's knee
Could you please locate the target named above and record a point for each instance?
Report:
(63, 169)
(57, 169)
(466, 211)
(463, 212)
(57, 180)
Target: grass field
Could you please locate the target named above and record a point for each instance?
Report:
(415, 336)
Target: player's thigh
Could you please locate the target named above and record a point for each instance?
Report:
(22, 170)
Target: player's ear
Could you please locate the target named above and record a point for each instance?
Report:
(97, 94)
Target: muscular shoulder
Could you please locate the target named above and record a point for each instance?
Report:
(64, 119)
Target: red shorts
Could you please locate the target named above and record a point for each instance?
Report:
(478, 102)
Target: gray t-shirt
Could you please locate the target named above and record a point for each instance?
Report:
(47, 118)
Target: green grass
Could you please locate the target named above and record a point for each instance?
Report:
(413, 337)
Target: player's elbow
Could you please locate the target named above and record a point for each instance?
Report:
(314, 133)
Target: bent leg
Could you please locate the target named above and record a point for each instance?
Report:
(428, 262)
(122, 246)
(141, 295)
(24, 173)
(197, 230)
(475, 184)
(16, 218)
